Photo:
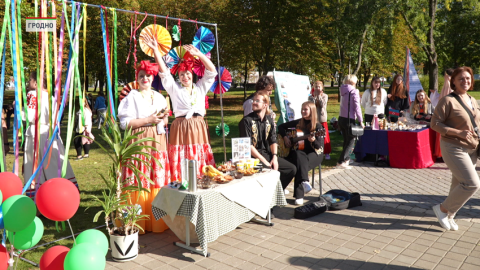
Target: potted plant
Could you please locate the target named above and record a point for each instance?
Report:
(121, 217)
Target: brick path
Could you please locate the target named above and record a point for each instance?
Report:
(394, 229)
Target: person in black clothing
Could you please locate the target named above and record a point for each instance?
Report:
(259, 126)
(311, 155)
(397, 99)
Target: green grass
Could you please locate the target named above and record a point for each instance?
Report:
(87, 171)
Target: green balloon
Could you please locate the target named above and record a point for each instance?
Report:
(18, 212)
(1, 197)
(94, 237)
(85, 256)
(29, 237)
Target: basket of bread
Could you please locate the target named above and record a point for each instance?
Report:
(247, 172)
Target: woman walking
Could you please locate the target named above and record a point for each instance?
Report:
(457, 118)
(349, 112)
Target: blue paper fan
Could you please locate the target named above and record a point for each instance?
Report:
(204, 40)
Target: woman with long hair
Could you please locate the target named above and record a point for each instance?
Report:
(312, 153)
(456, 118)
(188, 132)
(145, 110)
(374, 100)
(422, 108)
(320, 98)
(397, 102)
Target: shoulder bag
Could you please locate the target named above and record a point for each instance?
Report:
(353, 128)
(475, 127)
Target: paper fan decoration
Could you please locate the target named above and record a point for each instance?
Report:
(127, 89)
(169, 61)
(198, 66)
(157, 83)
(226, 81)
(160, 34)
(204, 40)
(218, 129)
(177, 55)
(176, 34)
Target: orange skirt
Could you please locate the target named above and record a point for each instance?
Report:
(159, 174)
(189, 140)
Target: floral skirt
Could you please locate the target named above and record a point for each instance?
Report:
(189, 139)
(159, 174)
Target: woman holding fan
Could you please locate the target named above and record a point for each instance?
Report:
(188, 133)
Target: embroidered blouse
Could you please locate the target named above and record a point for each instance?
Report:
(136, 106)
(184, 104)
(261, 132)
(32, 107)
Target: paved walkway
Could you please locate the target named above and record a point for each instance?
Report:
(394, 229)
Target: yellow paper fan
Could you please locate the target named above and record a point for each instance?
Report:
(161, 34)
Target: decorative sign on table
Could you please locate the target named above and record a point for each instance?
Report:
(240, 148)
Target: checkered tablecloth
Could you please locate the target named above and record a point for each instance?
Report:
(214, 215)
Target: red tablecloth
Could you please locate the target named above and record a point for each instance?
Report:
(410, 149)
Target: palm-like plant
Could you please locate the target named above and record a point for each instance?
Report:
(128, 153)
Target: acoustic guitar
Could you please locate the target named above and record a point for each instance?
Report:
(296, 139)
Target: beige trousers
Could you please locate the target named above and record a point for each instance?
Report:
(465, 181)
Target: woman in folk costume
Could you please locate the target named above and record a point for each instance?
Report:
(188, 133)
(145, 110)
(53, 163)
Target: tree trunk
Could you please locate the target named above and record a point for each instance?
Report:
(246, 80)
(360, 49)
(433, 70)
(86, 83)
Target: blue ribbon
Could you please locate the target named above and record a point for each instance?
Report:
(17, 121)
(2, 226)
(109, 80)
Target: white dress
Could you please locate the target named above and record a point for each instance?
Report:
(52, 165)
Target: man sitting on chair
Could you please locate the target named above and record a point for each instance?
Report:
(259, 127)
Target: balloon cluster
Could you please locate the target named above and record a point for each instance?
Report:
(57, 199)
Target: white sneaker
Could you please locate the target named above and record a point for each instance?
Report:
(286, 192)
(442, 217)
(299, 201)
(327, 156)
(306, 187)
(453, 225)
(343, 166)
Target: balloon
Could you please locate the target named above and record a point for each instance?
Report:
(10, 185)
(18, 212)
(4, 257)
(58, 199)
(94, 237)
(54, 258)
(85, 256)
(29, 237)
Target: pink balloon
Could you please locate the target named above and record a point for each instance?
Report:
(10, 185)
(53, 258)
(58, 199)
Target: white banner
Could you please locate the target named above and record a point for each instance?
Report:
(292, 91)
(412, 82)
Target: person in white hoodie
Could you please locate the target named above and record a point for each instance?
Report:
(374, 100)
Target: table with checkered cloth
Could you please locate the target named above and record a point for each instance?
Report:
(214, 215)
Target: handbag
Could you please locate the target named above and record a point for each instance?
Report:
(354, 129)
(475, 127)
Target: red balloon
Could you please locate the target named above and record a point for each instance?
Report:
(53, 258)
(4, 257)
(58, 199)
(10, 184)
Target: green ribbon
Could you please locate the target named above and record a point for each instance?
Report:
(63, 226)
(218, 129)
(22, 73)
(6, 20)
